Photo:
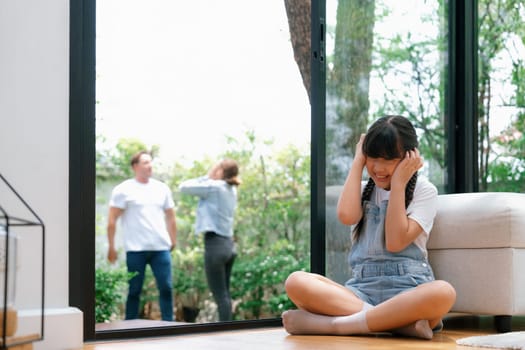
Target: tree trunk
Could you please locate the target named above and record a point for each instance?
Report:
(348, 85)
(299, 19)
(352, 64)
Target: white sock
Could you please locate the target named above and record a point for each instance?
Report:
(304, 322)
(366, 306)
(418, 329)
(352, 324)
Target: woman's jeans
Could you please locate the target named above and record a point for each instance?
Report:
(219, 256)
(160, 263)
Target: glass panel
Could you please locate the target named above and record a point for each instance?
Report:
(501, 95)
(196, 81)
(383, 57)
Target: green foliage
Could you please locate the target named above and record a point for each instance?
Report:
(499, 20)
(506, 177)
(189, 279)
(110, 287)
(518, 80)
(412, 74)
(274, 199)
(272, 217)
(114, 163)
(507, 171)
(258, 279)
(411, 60)
(401, 73)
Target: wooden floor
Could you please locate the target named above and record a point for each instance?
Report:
(456, 326)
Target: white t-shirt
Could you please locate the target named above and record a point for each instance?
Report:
(143, 219)
(421, 209)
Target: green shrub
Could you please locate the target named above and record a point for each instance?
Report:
(258, 280)
(110, 292)
(189, 279)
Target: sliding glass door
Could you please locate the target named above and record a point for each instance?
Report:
(383, 57)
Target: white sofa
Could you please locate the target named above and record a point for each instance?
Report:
(477, 244)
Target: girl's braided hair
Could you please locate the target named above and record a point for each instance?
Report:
(389, 137)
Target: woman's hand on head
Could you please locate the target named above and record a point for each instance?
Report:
(407, 167)
(215, 172)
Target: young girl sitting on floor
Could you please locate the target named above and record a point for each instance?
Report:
(392, 286)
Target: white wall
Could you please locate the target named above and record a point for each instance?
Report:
(34, 92)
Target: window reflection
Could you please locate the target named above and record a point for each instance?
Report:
(501, 95)
(384, 57)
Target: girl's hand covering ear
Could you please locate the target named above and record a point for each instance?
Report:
(407, 167)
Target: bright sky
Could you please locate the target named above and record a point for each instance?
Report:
(183, 74)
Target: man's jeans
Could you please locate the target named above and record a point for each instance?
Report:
(160, 263)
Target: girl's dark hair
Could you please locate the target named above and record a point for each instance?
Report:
(230, 172)
(389, 137)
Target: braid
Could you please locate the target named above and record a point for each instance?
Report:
(367, 193)
(409, 190)
(365, 196)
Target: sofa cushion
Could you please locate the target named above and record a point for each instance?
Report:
(479, 220)
(487, 281)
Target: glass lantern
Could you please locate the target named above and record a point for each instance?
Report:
(8, 267)
(22, 266)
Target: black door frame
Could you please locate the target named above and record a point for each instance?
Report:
(460, 115)
(82, 181)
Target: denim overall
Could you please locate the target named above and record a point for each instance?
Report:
(377, 274)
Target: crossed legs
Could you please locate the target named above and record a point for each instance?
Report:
(326, 307)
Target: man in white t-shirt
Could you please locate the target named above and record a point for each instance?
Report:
(145, 209)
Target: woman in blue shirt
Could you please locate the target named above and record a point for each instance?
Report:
(217, 194)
